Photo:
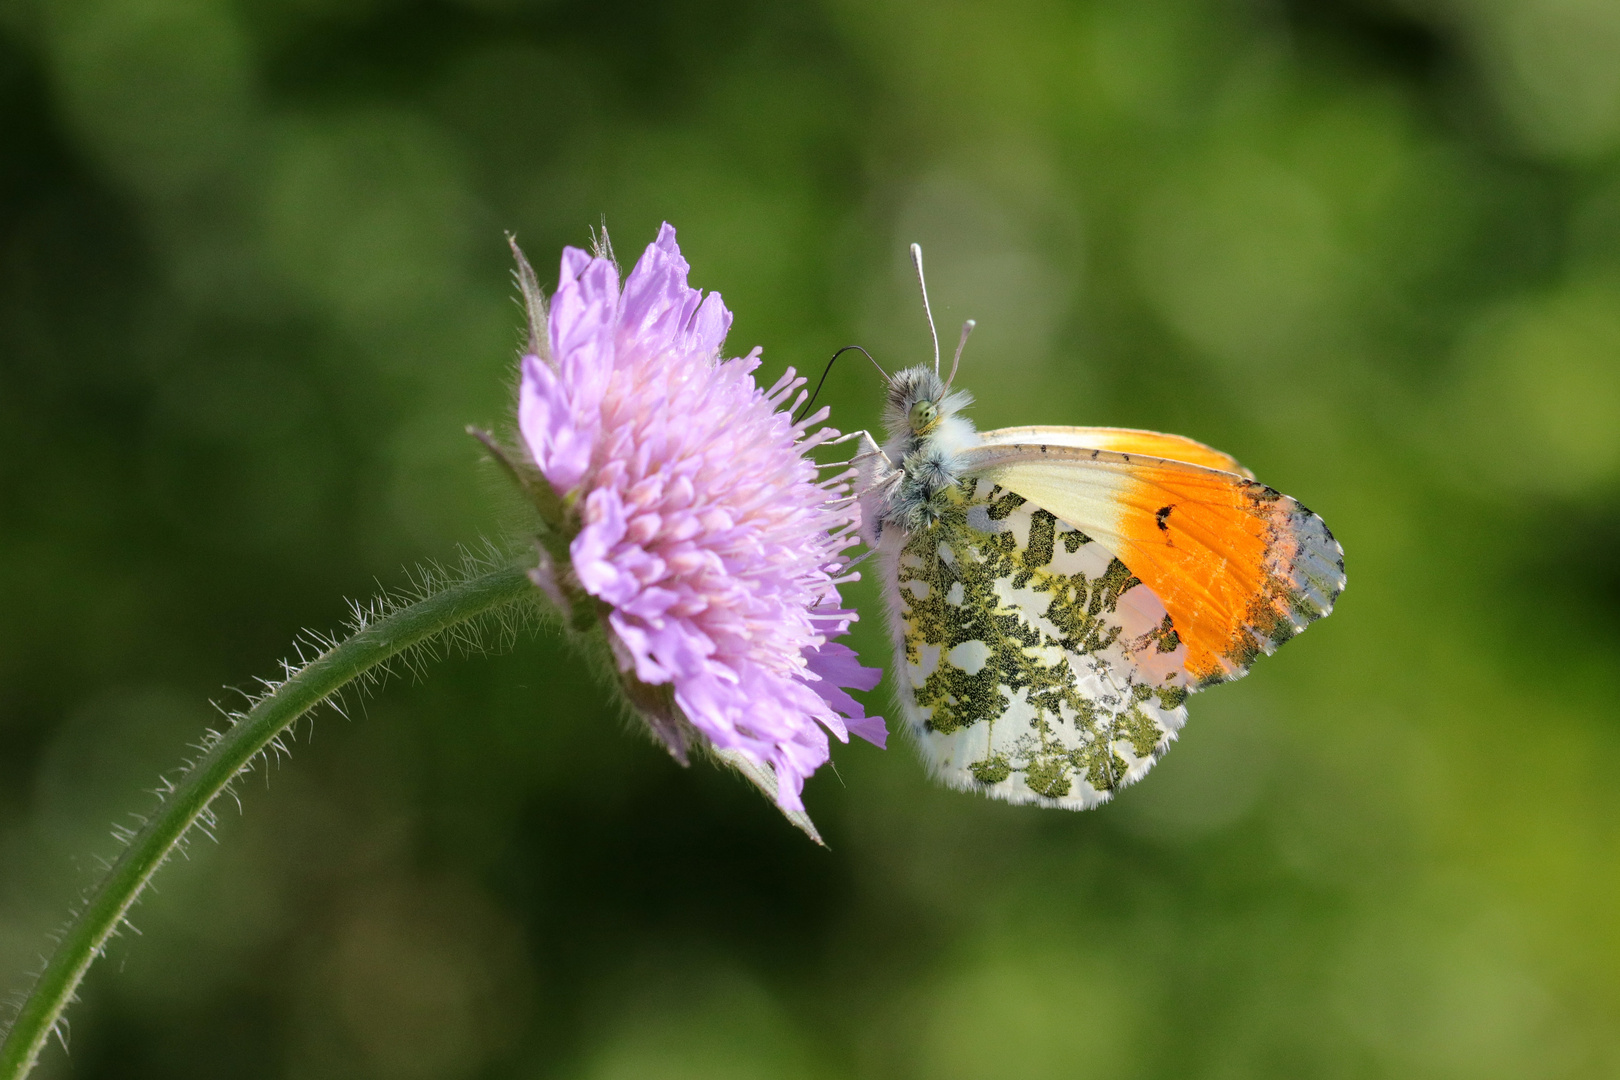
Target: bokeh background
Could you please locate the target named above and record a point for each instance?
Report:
(253, 283)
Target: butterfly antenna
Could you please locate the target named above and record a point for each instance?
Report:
(828, 370)
(967, 328)
(916, 260)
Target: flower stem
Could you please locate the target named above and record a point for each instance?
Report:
(104, 908)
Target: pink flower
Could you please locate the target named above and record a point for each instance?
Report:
(703, 525)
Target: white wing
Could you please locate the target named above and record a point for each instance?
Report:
(1036, 668)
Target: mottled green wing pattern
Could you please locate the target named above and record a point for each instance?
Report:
(1039, 669)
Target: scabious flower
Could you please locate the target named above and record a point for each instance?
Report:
(703, 527)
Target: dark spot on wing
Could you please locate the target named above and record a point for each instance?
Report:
(1004, 506)
(1159, 516)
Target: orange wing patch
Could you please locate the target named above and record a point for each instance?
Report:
(1239, 567)
(1120, 440)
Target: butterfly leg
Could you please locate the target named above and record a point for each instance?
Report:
(870, 447)
(878, 480)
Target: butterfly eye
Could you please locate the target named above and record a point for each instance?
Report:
(922, 416)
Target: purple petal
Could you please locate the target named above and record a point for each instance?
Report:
(838, 667)
(574, 262)
(708, 328)
(582, 318)
(758, 717)
(592, 550)
(841, 665)
(666, 654)
(559, 444)
(870, 728)
(660, 312)
(585, 308)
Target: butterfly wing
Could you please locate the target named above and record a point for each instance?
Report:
(1238, 567)
(1040, 669)
(1120, 440)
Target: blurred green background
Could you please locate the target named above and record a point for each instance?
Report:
(253, 283)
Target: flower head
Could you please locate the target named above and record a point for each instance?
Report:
(703, 527)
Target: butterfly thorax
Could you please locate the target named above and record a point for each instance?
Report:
(927, 435)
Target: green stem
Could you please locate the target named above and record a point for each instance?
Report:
(318, 680)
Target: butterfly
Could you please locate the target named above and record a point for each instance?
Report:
(1054, 594)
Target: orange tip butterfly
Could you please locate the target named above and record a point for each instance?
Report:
(1055, 593)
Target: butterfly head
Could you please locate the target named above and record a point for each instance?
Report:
(921, 407)
(923, 416)
(919, 403)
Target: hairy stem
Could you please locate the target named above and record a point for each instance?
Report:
(315, 682)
